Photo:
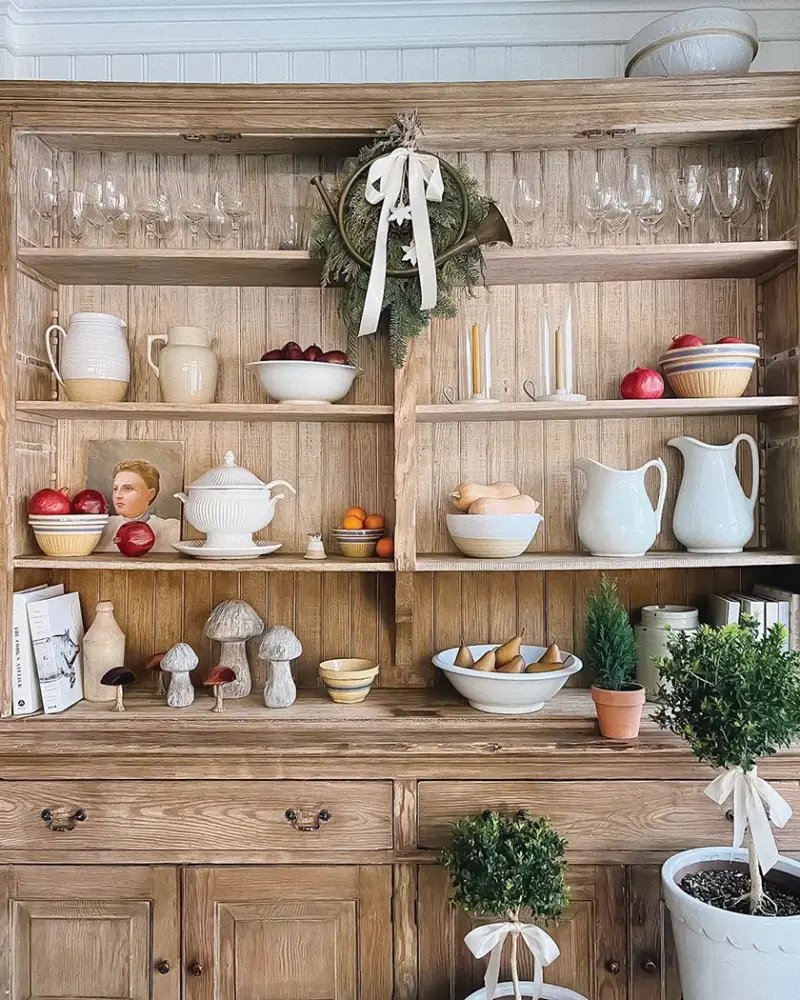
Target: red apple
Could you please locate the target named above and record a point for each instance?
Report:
(276, 354)
(687, 340)
(731, 340)
(292, 352)
(89, 502)
(49, 502)
(642, 383)
(335, 358)
(313, 353)
(135, 538)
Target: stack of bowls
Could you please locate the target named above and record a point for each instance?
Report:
(713, 371)
(65, 535)
(348, 679)
(357, 544)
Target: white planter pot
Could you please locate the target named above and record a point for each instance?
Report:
(730, 956)
(548, 993)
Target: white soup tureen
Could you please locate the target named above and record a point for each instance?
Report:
(229, 503)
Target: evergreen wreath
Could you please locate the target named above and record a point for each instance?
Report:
(401, 299)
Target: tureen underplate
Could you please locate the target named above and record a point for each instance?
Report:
(199, 549)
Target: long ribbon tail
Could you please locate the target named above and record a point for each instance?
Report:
(373, 302)
(423, 242)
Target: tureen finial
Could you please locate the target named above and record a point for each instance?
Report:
(230, 458)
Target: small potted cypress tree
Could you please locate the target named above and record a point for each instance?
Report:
(734, 696)
(611, 655)
(510, 867)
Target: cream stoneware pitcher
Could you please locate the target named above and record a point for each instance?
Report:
(616, 516)
(712, 512)
(95, 363)
(187, 368)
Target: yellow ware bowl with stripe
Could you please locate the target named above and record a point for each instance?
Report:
(348, 680)
(67, 546)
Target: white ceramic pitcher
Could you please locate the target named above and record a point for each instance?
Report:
(187, 368)
(616, 516)
(95, 363)
(712, 512)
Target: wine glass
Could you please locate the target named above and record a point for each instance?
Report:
(124, 218)
(726, 187)
(591, 197)
(744, 214)
(289, 213)
(158, 216)
(217, 223)
(762, 181)
(194, 210)
(618, 214)
(94, 204)
(642, 193)
(72, 215)
(689, 189)
(528, 201)
(237, 211)
(46, 181)
(112, 196)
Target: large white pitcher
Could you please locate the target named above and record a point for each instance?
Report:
(712, 512)
(616, 516)
(95, 363)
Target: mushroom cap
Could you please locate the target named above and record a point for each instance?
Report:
(180, 659)
(154, 663)
(233, 621)
(118, 677)
(280, 643)
(219, 675)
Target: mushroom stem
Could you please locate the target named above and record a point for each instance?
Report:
(218, 706)
(280, 691)
(160, 689)
(181, 692)
(234, 655)
(118, 706)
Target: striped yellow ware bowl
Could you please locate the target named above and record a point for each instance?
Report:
(710, 383)
(357, 550)
(348, 680)
(64, 546)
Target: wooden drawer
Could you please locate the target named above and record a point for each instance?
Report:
(197, 817)
(597, 816)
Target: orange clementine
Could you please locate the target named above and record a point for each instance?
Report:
(358, 512)
(353, 523)
(374, 521)
(385, 548)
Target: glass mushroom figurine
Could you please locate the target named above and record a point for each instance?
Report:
(232, 623)
(180, 661)
(119, 678)
(154, 663)
(217, 679)
(279, 647)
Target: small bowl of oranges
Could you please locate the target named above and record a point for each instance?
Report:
(360, 535)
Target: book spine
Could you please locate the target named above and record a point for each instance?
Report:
(24, 686)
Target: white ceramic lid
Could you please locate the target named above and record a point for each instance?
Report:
(228, 476)
(92, 317)
(687, 23)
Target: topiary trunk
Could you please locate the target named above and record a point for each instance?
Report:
(756, 881)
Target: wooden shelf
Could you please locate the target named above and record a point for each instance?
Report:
(185, 564)
(504, 266)
(596, 409)
(245, 412)
(554, 561)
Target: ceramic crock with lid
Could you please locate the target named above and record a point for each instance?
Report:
(229, 503)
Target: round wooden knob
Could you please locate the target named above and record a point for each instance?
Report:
(163, 967)
(196, 968)
(650, 966)
(80, 815)
(46, 815)
(729, 815)
(613, 967)
(324, 815)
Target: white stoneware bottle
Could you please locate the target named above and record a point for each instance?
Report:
(103, 649)
(712, 512)
(95, 363)
(616, 516)
(187, 368)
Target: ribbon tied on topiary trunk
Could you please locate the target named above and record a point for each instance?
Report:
(491, 938)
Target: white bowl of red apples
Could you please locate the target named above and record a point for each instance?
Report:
(290, 374)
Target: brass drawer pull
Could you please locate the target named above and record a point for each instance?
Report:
(59, 825)
(196, 969)
(163, 967)
(650, 967)
(309, 822)
(613, 967)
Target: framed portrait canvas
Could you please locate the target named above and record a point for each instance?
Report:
(139, 480)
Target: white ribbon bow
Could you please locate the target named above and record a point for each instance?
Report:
(749, 795)
(491, 938)
(385, 184)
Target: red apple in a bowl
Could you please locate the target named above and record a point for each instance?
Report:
(312, 353)
(89, 502)
(49, 502)
(686, 340)
(135, 538)
(292, 352)
(731, 340)
(276, 354)
(335, 358)
(642, 383)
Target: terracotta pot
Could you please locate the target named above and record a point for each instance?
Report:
(619, 713)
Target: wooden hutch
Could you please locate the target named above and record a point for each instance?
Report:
(169, 868)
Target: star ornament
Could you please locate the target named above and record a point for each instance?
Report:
(410, 254)
(400, 214)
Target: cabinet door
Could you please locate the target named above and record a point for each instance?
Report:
(288, 933)
(83, 932)
(652, 962)
(591, 935)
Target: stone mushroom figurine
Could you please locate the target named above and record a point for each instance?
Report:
(180, 661)
(218, 678)
(232, 623)
(154, 663)
(119, 678)
(279, 647)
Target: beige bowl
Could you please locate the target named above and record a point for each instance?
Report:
(348, 679)
(358, 550)
(59, 546)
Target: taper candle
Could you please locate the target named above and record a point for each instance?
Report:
(476, 360)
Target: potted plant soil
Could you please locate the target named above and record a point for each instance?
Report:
(734, 696)
(510, 867)
(611, 654)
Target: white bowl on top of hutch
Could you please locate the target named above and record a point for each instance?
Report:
(180, 854)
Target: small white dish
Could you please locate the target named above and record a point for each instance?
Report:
(199, 549)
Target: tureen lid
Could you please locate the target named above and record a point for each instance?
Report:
(228, 476)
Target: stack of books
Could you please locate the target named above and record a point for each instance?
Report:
(47, 650)
(768, 605)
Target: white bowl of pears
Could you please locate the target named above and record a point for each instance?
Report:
(507, 679)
